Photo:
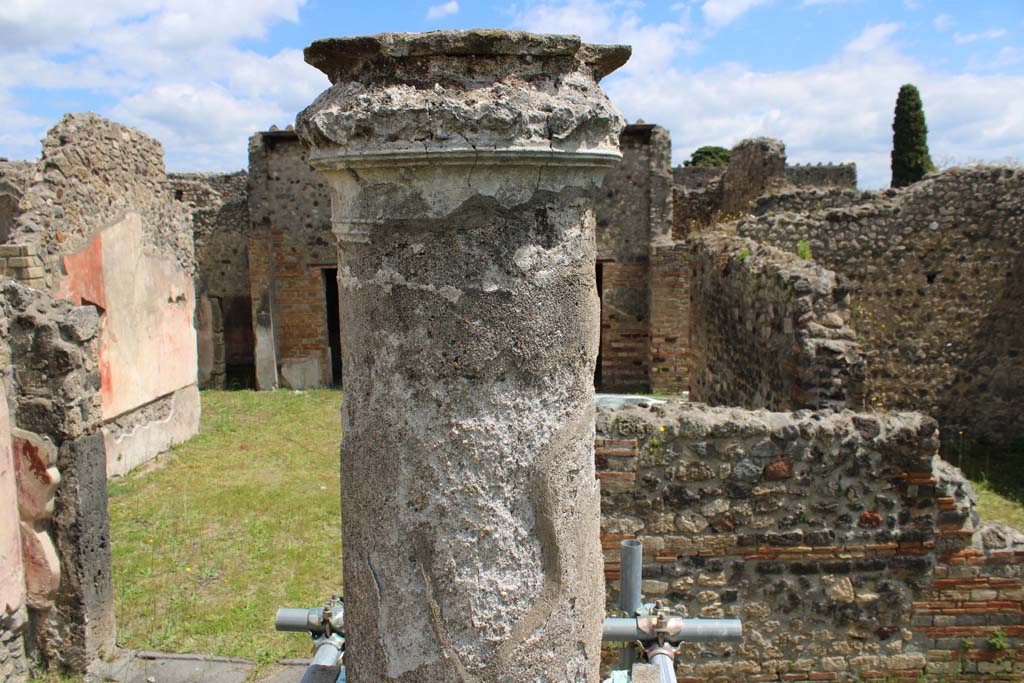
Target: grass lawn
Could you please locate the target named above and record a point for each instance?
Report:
(242, 519)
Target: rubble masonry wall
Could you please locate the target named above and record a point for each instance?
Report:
(769, 329)
(850, 551)
(937, 277)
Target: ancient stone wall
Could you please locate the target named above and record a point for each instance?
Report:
(14, 178)
(937, 271)
(92, 173)
(633, 211)
(290, 210)
(769, 329)
(822, 175)
(219, 203)
(98, 224)
(756, 166)
(60, 464)
(848, 549)
(809, 199)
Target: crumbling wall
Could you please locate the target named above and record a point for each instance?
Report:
(756, 166)
(14, 178)
(98, 224)
(290, 207)
(850, 551)
(633, 210)
(60, 467)
(822, 175)
(937, 271)
(769, 329)
(219, 203)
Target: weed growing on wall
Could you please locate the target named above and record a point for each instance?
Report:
(803, 250)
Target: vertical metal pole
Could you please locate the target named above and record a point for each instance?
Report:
(631, 560)
(666, 667)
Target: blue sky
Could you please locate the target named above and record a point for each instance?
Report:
(822, 75)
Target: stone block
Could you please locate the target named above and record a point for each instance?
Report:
(646, 673)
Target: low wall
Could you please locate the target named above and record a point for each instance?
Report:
(849, 550)
(768, 329)
(937, 272)
(822, 175)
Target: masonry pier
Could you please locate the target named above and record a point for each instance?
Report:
(462, 167)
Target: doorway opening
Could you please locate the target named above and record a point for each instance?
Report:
(332, 304)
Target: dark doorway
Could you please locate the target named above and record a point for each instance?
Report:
(599, 276)
(333, 305)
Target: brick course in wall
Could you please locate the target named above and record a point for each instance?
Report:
(669, 350)
(850, 551)
(624, 331)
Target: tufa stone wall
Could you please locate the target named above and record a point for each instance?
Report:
(769, 329)
(290, 207)
(60, 463)
(850, 551)
(937, 272)
(219, 203)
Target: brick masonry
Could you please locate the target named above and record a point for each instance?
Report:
(850, 551)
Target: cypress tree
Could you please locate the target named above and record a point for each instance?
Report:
(910, 158)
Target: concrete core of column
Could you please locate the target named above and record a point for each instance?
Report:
(463, 166)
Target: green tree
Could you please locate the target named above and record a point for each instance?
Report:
(910, 157)
(709, 155)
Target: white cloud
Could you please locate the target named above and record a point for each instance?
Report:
(873, 38)
(837, 111)
(169, 67)
(443, 10)
(654, 45)
(944, 22)
(991, 34)
(811, 3)
(718, 13)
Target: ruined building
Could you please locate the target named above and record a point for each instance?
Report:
(844, 543)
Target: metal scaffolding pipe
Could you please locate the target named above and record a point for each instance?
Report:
(666, 667)
(632, 573)
(631, 562)
(625, 630)
(299, 620)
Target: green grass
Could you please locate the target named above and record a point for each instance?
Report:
(243, 519)
(998, 479)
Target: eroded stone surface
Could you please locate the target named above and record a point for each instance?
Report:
(462, 168)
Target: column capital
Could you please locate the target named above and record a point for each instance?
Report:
(462, 98)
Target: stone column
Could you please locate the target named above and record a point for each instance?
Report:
(462, 166)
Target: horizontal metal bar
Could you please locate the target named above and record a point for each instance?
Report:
(620, 629)
(299, 620)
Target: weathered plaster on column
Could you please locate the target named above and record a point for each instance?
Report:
(462, 167)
